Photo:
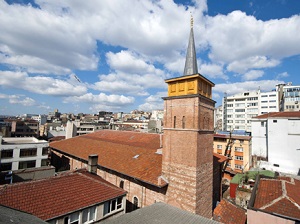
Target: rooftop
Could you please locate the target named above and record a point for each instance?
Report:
(130, 153)
(279, 196)
(159, 213)
(226, 212)
(49, 198)
(285, 114)
(134, 154)
(251, 175)
(21, 140)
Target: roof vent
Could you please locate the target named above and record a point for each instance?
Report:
(136, 156)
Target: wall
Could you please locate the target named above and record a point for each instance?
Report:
(284, 136)
(39, 145)
(254, 217)
(146, 194)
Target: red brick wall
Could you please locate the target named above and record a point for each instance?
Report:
(188, 153)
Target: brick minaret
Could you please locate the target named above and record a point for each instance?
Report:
(187, 161)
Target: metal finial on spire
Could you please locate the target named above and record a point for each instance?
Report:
(191, 67)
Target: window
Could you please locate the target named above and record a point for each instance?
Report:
(183, 122)
(88, 215)
(7, 154)
(219, 146)
(230, 105)
(28, 152)
(264, 107)
(5, 166)
(45, 151)
(241, 141)
(26, 164)
(174, 124)
(274, 121)
(262, 124)
(238, 157)
(121, 184)
(264, 95)
(240, 99)
(113, 205)
(253, 98)
(251, 104)
(135, 203)
(239, 105)
(239, 110)
(44, 162)
(240, 115)
(239, 167)
(239, 149)
(72, 219)
(265, 101)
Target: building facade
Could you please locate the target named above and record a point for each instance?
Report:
(22, 153)
(291, 98)
(275, 141)
(240, 152)
(239, 109)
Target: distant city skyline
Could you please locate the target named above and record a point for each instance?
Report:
(115, 56)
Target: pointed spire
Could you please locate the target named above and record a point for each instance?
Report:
(191, 67)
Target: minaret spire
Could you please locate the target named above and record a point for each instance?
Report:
(191, 67)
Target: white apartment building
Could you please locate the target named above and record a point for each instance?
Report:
(239, 109)
(276, 141)
(291, 98)
(23, 152)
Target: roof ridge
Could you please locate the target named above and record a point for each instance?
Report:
(277, 199)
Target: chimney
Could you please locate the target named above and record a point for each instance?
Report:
(92, 163)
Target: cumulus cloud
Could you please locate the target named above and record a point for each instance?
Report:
(282, 75)
(153, 102)
(18, 99)
(238, 87)
(213, 71)
(238, 37)
(40, 84)
(101, 98)
(253, 74)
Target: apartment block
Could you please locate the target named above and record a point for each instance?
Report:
(239, 154)
(291, 98)
(22, 153)
(239, 109)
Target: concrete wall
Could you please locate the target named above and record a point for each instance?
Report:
(255, 217)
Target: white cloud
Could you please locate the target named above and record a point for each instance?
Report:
(238, 38)
(241, 66)
(40, 84)
(101, 99)
(238, 87)
(153, 102)
(252, 75)
(212, 71)
(18, 99)
(282, 75)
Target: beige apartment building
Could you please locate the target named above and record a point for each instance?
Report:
(240, 151)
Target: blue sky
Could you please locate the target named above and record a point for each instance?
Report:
(86, 56)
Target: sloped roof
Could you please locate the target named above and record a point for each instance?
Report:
(159, 213)
(280, 196)
(284, 114)
(9, 215)
(130, 153)
(220, 158)
(240, 137)
(226, 212)
(54, 196)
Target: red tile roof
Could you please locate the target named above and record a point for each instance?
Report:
(226, 212)
(116, 151)
(130, 153)
(53, 197)
(280, 196)
(285, 114)
(220, 158)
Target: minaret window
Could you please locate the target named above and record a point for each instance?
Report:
(174, 124)
(183, 122)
